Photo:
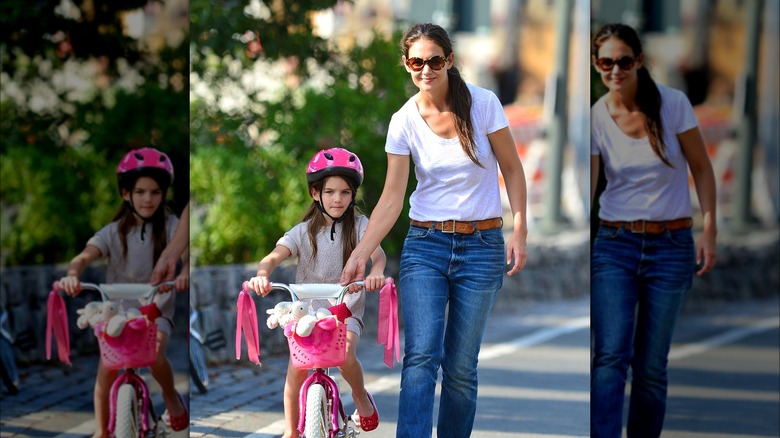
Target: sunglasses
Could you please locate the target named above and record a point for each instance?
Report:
(435, 62)
(624, 62)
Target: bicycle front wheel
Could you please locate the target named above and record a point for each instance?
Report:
(317, 415)
(127, 415)
(198, 371)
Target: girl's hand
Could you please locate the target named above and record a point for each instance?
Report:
(261, 285)
(71, 285)
(374, 281)
(182, 282)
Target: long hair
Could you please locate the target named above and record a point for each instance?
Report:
(459, 94)
(126, 219)
(647, 95)
(316, 221)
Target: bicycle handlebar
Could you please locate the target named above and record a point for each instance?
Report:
(315, 290)
(114, 291)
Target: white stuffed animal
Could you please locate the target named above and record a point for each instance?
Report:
(307, 322)
(87, 312)
(107, 311)
(298, 310)
(117, 322)
(276, 314)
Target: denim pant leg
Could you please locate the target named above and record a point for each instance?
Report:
(436, 269)
(666, 275)
(614, 294)
(476, 275)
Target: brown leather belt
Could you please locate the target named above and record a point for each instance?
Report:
(651, 227)
(462, 227)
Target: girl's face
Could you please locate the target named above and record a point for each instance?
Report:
(146, 196)
(336, 196)
(428, 79)
(617, 64)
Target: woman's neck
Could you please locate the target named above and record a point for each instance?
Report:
(437, 99)
(625, 99)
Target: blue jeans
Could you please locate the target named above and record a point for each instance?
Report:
(638, 286)
(447, 284)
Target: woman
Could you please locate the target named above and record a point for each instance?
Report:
(644, 256)
(453, 258)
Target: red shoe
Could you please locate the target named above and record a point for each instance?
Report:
(367, 423)
(179, 422)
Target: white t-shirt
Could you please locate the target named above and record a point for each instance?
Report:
(449, 184)
(639, 185)
(138, 265)
(326, 267)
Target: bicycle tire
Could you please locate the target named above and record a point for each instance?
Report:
(317, 415)
(198, 373)
(127, 414)
(8, 373)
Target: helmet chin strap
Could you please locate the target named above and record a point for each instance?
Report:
(145, 220)
(335, 220)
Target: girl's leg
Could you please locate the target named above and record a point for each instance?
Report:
(352, 371)
(292, 390)
(163, 374)
(105, 378)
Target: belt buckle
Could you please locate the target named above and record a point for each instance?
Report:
(638, 231)
(445, 231)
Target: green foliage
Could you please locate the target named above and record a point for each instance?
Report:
(101, 97)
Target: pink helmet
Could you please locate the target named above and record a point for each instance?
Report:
(145, 162)
(334, 161)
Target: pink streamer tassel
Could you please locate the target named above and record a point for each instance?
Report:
(57, 323)
(246, 320)
(387, 332)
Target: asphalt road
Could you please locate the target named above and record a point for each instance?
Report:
(724, 381)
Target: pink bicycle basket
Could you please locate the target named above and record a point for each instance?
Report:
(135, 347)
(321, 349)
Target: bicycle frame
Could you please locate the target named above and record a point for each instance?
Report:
(129, 375)
(319, 375)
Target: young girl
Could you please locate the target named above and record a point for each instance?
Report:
(329, 232)
(133, 242)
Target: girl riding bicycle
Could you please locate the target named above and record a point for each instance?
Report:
(133, 242)
(330, 230)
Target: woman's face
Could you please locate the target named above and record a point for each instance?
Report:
(428, 79)
(146, 196)
(336, 196)
(617, 65)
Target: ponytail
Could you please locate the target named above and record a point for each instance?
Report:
(459, 94)
(648, 97)
(649, 100)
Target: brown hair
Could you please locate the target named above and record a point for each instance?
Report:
(647, 96)
(126, 219)
(459, 94)
(316, 221)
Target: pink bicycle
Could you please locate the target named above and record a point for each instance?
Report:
(131, 409)
(321, 412)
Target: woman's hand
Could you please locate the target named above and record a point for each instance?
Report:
(71, 285)
(516, 250)
(261, 285)
(705, 252)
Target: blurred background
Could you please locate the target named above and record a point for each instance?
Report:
(81, 83)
